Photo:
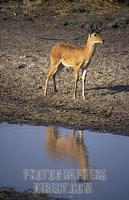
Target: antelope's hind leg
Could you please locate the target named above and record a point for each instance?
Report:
(51, 73)
(54, 82)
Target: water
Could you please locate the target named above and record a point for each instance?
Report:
(42, 158)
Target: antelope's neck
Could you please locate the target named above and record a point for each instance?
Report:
(89, 51)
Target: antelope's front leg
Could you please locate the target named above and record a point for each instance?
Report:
(76, 69)
(83, 82)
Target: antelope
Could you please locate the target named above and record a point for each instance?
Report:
(74, 56)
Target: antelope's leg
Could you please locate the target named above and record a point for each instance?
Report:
(80, 133)
(54, 82)
(45, 89)
(52, 70)
(67, 74)
(83, 82)
(76, 80)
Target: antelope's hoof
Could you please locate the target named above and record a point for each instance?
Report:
(83, 97)
(74, 97)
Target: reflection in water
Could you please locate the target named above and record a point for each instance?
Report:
(60, 145)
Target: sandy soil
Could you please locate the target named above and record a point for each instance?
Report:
(25, 44)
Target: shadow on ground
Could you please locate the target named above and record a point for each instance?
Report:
(113, 89)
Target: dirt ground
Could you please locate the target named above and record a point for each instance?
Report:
(25, 43)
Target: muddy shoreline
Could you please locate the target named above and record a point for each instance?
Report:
(24, 61)
(10, 193)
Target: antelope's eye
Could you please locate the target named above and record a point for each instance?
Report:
(95, 34)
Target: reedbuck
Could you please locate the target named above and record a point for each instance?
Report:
(73, 56)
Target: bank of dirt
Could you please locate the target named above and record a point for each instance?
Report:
(9, 193)
(25, 44)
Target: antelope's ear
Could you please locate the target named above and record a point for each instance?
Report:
(92, 28)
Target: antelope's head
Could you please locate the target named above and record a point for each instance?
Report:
(94, 34)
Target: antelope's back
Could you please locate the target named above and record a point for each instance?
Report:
(66, 51)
